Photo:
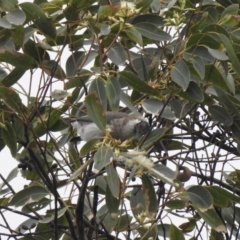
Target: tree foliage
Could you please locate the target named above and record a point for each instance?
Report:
(176, 62)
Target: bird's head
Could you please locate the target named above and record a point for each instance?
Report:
(141, 128)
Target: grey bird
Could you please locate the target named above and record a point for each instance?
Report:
(121, 125)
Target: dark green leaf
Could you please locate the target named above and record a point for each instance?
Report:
(35, 14)
(98, 86)
(137, 201)
(213, 220)
(218, 54)
(221, 115)
(200, 198)
(33, 193)
(111, 202)
(226, 101)
(134, 35)
(231, 53)
(8, 5)
(113, 181)
(201, 39)
(194, 92)
(102, 157)
(137, 84)
(222, 197)
(16, 59)
(153, 137)
(13, 174)
(117, 54)
(180, 74)
(175, 233)
(3, 74)
(216, 235)
(214, 76)
(155, 107)
(52, 68)
(88, 147)
(152, 32)
(148, 18)
(18, 36)
(176, 204)
(199, 66)
(77, 61)
(108, 10)
(149, 197)
(33, 50)
(113, 90)
(11, 99)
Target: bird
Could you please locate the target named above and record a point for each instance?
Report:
(122, 126)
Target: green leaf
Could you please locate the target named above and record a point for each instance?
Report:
(4, 23)
(34, 13)
(199, 66)
(52, 68)
(8, 5)
(111, 202)
(216, 235)
(194, 92)
(221, 115)
(201, 39)
(11, 99)
(108, 10)
(148, 18)
(13, 77)
(231, 53)
(164, 173)
(175, 233)
(226, 101)
(230, 10)
(155, 106)
(137, 84)
(117, 54)
(95, 111)
(152, 31)
(236, 129)
(9, 137)
(18, 35)
(52, 217)
(113, 89)
(150, 198)
(153, 137)
(16, 17)
(13, 174)
(17, 59)
(213, 220)
(222, 197)
(200, 198)
(33, 50)
(88, 147)
(218, 54)
(102, 157)
(123, 223)
(98, 86)
(137, 202)
(27, 195)
(180, 74)
(134, 35)
(214, 76)
(113, 181)
(175, 204)
(77, 61)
